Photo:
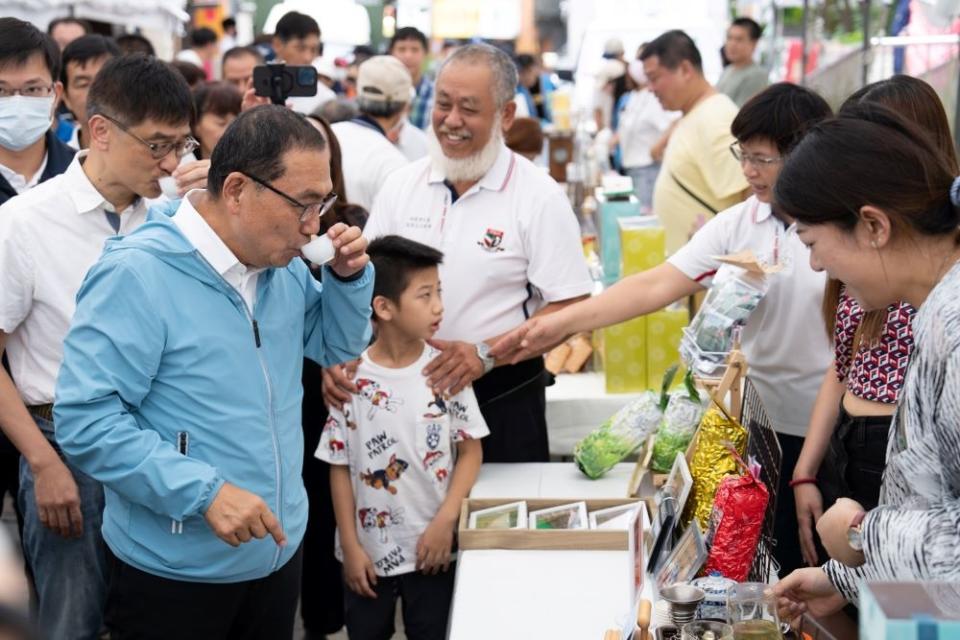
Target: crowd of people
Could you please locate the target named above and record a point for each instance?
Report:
(203, 428)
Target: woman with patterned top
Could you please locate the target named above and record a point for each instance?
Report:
(845, 449)
(879, 208)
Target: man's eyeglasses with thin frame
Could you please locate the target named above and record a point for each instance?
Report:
(308, 211)
(32, 91)
(760, 162)
(158, 150)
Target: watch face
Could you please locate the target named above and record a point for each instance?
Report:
(854, 539)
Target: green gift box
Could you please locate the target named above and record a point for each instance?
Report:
(610, 212)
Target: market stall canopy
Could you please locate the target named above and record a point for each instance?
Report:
(159, 15)
(342, 22)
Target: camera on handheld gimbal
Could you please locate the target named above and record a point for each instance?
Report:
(279, 81)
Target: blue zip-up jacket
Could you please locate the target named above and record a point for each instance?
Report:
(164, 355)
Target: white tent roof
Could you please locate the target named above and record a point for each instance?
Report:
(165, 15)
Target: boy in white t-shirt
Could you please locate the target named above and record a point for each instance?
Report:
(396, 489)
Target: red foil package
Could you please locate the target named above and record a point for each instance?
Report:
(735, 526)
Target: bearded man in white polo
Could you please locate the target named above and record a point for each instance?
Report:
(511, 244)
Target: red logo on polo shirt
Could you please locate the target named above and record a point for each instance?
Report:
(492, 240)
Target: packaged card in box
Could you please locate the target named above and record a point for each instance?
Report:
(630, 539)
(909, 610)
(610, 212)
(664, 332)
(625, 356)
(642, 244)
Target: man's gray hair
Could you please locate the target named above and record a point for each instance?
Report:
(504, 71)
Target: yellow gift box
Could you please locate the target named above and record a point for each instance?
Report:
(664, 330)
(642, 244)
(625, 356)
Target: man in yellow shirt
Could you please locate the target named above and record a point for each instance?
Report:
(699, 176)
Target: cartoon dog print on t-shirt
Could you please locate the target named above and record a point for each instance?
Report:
(378, 397)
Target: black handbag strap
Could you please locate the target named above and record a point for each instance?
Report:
(693, 195)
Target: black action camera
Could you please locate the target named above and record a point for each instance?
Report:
(279, 81)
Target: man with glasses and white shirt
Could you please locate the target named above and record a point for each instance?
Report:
(139, 126)
(181, 391)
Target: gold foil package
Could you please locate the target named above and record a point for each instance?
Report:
(711, 462)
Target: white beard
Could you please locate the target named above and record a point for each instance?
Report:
(471, 168)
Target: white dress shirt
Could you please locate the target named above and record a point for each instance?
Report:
(21, 183)
(202, 236)
(50, 236)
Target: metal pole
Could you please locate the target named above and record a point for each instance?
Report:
(803, 41)
(867, 56)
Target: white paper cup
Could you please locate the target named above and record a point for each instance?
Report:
(168, 186)
(319, 250)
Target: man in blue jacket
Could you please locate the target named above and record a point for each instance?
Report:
(180, 386)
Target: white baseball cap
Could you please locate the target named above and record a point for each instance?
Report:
(384, 79)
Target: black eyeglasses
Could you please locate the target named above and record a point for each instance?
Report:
(158, 150)
(309, 211)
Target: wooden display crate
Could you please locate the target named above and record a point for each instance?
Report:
(527, 539)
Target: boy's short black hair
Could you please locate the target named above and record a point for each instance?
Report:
(672, 48)
(228, 23)
(135, 43)
(408, 33)
(781, 113)
(394, 259)
(20, 41)
(754, 30)
(86, 48)
(135, 87)
(296, 26)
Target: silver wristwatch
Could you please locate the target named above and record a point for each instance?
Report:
(483, 352)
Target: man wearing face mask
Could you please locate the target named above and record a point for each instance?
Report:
(138, 126)
(512, 244)
(369, 156)
(30, 153)
(29, 65)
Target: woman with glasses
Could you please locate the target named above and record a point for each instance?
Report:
(783, 341)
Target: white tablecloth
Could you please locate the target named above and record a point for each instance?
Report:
(560, 595)
(576, 405)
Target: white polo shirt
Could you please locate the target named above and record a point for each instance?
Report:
(214, 250)
(511, 243)
(367, 157)
(785, 340)
(50, 236)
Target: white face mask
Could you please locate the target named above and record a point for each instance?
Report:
(24, 120)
